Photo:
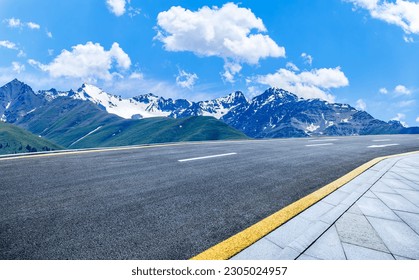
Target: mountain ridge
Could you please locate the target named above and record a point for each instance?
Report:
(274, 113)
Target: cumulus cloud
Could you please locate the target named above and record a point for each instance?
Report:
(400, 117)
(17, 67)
(185, 79)
(13, 22)
(383, 91)
(8, 45)
(230, 32)
(307, 84)
(361, 105)
(417, 119)
(17, 23)
(33, 25)
(230, 70)
(116, 7)
(401, 89)
(90, 61)
(308, 59)
(136, 76)
(404, 14)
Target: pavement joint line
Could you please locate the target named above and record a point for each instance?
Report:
(323, 144)
(240, 241)
(206, 157)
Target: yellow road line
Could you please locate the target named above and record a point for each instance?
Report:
(235, 244)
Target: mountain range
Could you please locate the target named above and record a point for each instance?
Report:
(89, 116)
(274, 113)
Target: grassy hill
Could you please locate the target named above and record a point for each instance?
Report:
(64, 120)
(159, 130)
(17, 140)
(77, 124)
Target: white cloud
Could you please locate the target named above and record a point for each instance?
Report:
(117, 7)
(17, 23)
(361, 105)
(49, 34)
(408, 39)
(292, 66)
(186, 80)
(401, 89)
(308, 84)
(404, 14)
(8, 45)
(21, 53)
(14, 22)
(230, 32)
(406, 103)
(17, 67)
(33, 25)
(50, 52)
(132, 12)
(136, 75)
(383, 91)
(308, 59)
(12, 46)
(230, 70)
(417, 119)
(400, 117)
(90, 61)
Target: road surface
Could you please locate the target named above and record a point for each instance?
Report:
(166, 201)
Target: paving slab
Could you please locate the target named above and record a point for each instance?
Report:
(398, 237)
(355, 229)
(327, 247)
(397, 202)
(411, 219)
(411, 195)
(354, 252)
(374, 207)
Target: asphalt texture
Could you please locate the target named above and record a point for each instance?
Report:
(145, 204)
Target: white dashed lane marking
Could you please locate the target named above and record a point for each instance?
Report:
(381, 140)
(206, 157)
(316, 145)
(382, 146)
(323, 140)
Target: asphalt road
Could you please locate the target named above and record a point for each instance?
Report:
(165, 202)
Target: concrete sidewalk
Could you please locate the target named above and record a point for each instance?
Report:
(373, 217)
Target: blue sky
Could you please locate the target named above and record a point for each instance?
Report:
(361, 52)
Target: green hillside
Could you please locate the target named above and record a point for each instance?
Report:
(17, 140)
(68, 122)
(159, 130)
(64, 120)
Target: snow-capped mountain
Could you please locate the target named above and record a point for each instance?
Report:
(16, 100)
(274, 113)
(279, 113)
(146, 107)
(149, 105)
(216, 108)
